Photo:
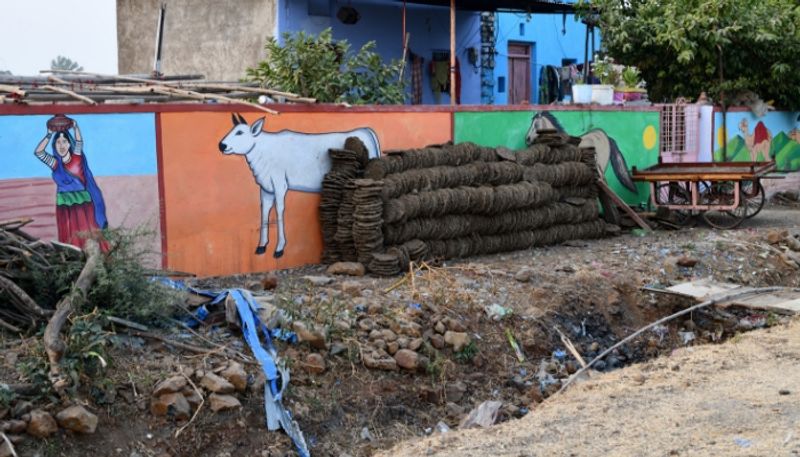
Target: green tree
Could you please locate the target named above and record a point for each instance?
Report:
(323, 68)
(64, 63)
(683, 47)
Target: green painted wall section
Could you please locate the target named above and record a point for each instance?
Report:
(636, 134)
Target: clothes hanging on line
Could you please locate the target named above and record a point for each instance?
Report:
(549, 84)
(439, 72)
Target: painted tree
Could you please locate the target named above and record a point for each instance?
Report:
(723, 47)
(64, 63)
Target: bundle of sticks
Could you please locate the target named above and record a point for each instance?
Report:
(92, 88)
(22, 258)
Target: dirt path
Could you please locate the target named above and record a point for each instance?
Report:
(735, 399)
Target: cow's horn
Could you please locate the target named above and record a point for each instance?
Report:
(241, 119)
(235, 121)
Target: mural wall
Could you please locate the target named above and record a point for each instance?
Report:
(76, 174)
(775, 136)
(623, 139)
(242, 190)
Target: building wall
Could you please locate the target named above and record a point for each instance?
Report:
(633, 134)
(120, 150)
(216, 39)
(160, 168)
(382, 22)
(552, 37)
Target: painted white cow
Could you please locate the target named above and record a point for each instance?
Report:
(285, 161)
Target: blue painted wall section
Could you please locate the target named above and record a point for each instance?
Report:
(553, 37)
(381, 21)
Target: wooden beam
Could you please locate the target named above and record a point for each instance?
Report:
(624, 206)
(452, 52)
(70, 93)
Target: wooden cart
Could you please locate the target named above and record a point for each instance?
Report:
(723, 193)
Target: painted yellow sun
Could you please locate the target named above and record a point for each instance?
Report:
(722, 136)
(649, 137)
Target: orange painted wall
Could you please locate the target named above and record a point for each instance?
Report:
(211, 201)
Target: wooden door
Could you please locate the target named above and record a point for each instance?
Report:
(519, 73)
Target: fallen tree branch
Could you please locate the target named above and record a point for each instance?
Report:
(53, 345)
(713, 301)
(20, 297)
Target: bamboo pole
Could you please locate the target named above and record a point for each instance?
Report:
(12, 90)
(452, 52)
(70, 93)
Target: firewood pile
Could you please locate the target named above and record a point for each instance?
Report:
(453, 201)
(93, 89)
(22, 259)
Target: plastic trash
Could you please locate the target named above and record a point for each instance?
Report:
(497, 312)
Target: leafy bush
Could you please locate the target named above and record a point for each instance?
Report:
(323, 68)
(679, 45)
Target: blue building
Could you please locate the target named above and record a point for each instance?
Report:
(488, 46)
(526, 45)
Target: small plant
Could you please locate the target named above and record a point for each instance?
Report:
(325, 69)
(7, 396)
(468, 353)
(605, 70)
(631, 77)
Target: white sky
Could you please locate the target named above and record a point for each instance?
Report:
(34, 32)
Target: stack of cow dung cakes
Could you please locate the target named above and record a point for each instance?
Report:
(368, 218)
(388, 264)
(344, 228)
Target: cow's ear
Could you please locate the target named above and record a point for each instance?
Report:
(257, 126)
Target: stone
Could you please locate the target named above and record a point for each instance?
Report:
(439, 327)
(6, 450)
(41, 424)
(318, 280)
(375, 335)
(22, 407)
(687, 262)
(416, 343)
(380, 363)
(366, 324)
(380, 344)
(78, 419)
(437, 341)
(269, 281)
(454, 410)
(388, 335)
(223, 402)
(454, 391)
(458, 340)
(314, 337)
(524, 275)
(392, 347)
(315, 363)
(236, 375)
(403, 343)
(775, 236)
(217, 384)
(173, 405)
(784, 392)
(347, 268)
(337, 348)
(456, 325)
(352, 288)
(16, 426)
(407, 327)
(639, 378)
(375, 308)
(193, 398)
(407, 359)
(170, 385)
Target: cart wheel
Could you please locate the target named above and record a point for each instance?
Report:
(719, 193)
(673, 193)
(724, 220)
(751, 199)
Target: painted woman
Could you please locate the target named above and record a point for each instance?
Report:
(80, 208)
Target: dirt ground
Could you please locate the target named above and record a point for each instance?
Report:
(740, 398)
(660, 395)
